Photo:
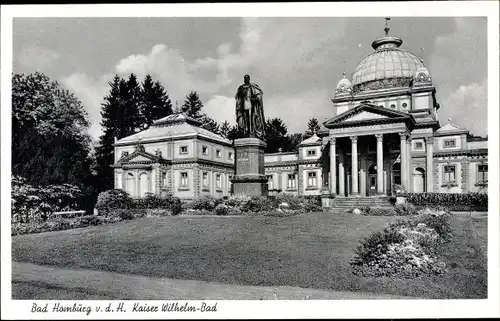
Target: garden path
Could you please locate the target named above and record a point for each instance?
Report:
(95, 284)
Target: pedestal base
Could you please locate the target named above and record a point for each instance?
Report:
(250, 178)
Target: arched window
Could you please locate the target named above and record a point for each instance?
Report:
(143, 184)
(130, 184)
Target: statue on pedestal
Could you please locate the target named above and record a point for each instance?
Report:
(250, 110)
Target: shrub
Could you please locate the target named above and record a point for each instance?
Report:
(167, 202)
(378, 211)
(375, 245)
(405, 209)
(237, 201)
(113, 199)
(221, 210)
(89, 220)
(205, 202)
(122, 214)
(195, 212)
(151, 212)
(474, 200)
(234, 211)
(258, 204)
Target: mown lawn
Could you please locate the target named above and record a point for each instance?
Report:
(310, 250)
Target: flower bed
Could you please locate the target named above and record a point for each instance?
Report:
(406, 248)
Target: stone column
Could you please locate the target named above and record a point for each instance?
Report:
(333, 167)
(409, 177)
(354, 164)
(380, 164)
(429, 168)
(341, 175)
(404, 160)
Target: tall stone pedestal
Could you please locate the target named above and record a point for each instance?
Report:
(250, 178)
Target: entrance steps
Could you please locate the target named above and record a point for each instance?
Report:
(362, 201)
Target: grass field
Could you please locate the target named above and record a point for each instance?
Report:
(310, 250)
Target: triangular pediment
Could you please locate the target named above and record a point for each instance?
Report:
(449, 128)
(139, 158)
(366, 113)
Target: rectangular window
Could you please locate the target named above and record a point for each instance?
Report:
(449, 143)
(218, 153)
(311, 152)
(291, 181)
(218, 181)
(183, 150)
(204, 150)
(205, 179)
(184, 179)
(230, 155)
(419, 145)
(270, 182)
(482, 173)
(311, 179)
(449, 174)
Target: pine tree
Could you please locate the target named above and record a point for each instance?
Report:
(112, 125)
(224, 129)
(155, 102)
(192, 106)
(210, 124)
(312, 128)
(276, 135)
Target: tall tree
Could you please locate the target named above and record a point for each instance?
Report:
(225, 128)
(312, 127)
(293, 142)
(155, 102)
(276, 135)
(50, 143)
(113, 127)
(193, 106)
(210, 124)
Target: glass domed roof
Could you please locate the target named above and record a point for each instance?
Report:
(387, 62)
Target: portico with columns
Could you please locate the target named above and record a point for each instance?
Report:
(370, 152)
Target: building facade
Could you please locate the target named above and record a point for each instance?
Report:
(384, 134)
(175, 156)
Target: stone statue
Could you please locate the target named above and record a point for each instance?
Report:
(250, 110)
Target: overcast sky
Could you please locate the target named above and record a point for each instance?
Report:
(296, 61)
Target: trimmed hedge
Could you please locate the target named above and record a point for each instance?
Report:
(454, 201)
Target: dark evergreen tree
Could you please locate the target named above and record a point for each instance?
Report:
(113, 127)
(210, 124)
(224, 129)
(312, 127)
(276, 135)
(155, 102)
(193, 106)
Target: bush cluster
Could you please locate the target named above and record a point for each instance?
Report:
(32, 204)
(455, 201)
(56, 224)
(281, 204)
(406, 248)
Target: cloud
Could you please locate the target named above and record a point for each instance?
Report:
(35, 57)
(468, 108)
(221, 108)
(296, 110)
(90, 91)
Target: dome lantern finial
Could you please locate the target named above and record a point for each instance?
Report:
(386, 29)
(343, 73)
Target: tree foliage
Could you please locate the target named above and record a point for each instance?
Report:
(129, 107)
(50, 143)
(312, 127)
(193, 106)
